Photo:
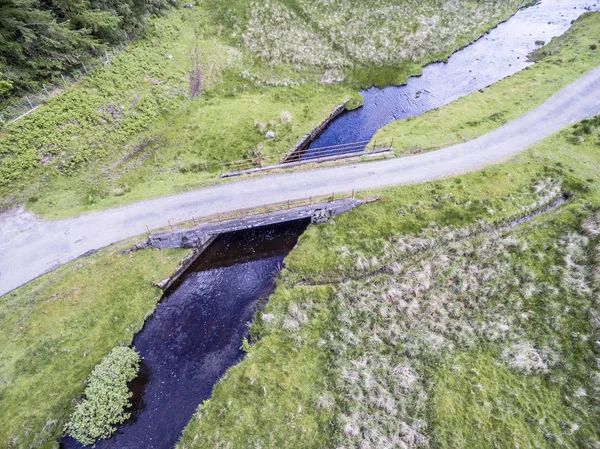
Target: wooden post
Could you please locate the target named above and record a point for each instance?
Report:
(107, 57)
(194, 220)
(29, 101)
(332, 196)
(170, 225)
(84, 68)
(148, 229)
(352, 193)
(63, 80)
(45, 90)
(219, 217)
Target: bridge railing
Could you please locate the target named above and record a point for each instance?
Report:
(243, 214)
(308, 155)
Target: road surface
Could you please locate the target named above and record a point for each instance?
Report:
(30, 247)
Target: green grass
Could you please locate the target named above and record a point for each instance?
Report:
(372, 42)
(58, 327)
(190, 150)
(478, 403)
(558, 64)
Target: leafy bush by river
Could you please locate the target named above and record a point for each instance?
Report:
(106, 397)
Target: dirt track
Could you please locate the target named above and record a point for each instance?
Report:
(30, 247)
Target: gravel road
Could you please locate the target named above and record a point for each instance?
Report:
(30, 247)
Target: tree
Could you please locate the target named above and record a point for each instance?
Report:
(40, 39)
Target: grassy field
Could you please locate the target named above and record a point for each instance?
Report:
(58, 327)
(419, 321)
(372, 42)
(130, 131)
(558, 64)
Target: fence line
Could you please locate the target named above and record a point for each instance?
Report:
(243, 214)
(13, 109)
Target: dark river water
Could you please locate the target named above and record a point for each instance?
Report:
(501, 53)
(195, 334)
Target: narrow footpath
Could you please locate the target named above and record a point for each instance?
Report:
(30, 247)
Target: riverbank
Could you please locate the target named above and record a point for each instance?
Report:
(557, 64)
(58, 327)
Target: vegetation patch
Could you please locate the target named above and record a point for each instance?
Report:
(106, 397)
(477, 402)
(361, 38)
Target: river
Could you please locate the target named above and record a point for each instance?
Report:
(500, 53)
(196, 332)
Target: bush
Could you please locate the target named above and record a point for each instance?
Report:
(106, 397)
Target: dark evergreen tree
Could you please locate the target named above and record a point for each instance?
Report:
(40, 39)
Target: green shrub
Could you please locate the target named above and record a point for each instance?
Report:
(106, 397)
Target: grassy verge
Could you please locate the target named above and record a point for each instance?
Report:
(435, 330)
(58, 327)
(558, 64)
